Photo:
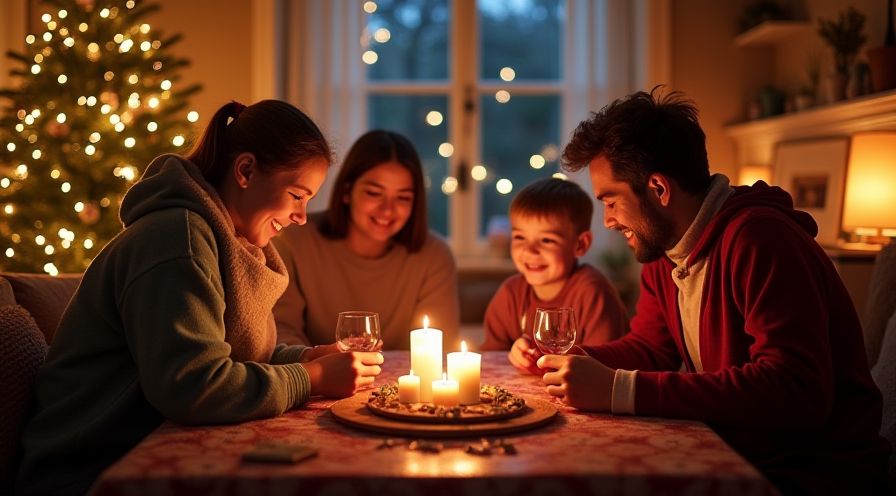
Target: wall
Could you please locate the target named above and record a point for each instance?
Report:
(722, 78)
(708, 68)
(217, 40)
(12, 35)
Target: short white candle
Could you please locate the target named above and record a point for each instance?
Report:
(464, 367)
(409, 388)
(426, 357)
(444, 392)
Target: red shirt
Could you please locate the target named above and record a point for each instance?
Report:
(785, 380)
(599, 311)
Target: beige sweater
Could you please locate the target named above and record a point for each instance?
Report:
(326, 277)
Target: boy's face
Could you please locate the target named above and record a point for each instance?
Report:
(544, 250)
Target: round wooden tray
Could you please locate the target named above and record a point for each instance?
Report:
(427, 418)
(353, 411)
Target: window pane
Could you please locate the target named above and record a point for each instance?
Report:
(409, 38)
(524, 35)
(512, 133)
(413, 116)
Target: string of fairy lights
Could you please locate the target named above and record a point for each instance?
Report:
(478, 172)
(109, 122)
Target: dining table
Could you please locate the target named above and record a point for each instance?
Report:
(576, 452)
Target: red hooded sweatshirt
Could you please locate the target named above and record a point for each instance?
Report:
(785, 380)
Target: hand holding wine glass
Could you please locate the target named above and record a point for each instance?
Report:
(555, 330)
(358, 331)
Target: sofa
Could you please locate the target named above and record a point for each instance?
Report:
(30, 308)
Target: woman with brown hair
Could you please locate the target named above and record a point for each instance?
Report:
(370, 250)
(172, 320)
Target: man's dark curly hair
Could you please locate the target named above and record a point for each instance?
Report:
(642, 134)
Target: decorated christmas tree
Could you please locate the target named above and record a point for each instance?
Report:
(95, 100)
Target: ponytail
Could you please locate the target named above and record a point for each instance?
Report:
(276, 132)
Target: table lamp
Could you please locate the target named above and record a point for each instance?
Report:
(869, 205)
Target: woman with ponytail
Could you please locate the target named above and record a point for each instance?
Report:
(173, 320)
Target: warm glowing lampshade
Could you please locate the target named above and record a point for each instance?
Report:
(870, 202)
(749, 174)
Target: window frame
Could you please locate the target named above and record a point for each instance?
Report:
(320, 69)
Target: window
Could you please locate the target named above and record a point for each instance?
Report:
(487, 90)
(502, 59)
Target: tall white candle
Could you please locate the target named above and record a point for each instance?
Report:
(464, 367)
(409, 388)
(426, 357)
(445, 392)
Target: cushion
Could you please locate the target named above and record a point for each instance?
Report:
(45, 297)
(22, 352)
(7, 297)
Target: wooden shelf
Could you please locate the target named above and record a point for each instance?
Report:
(772, 33)
(876, 111)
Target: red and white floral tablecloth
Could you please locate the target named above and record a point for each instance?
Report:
(578, 453)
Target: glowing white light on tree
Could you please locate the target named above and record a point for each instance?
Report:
(479, 172)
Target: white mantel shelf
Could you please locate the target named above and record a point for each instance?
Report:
(756, 139)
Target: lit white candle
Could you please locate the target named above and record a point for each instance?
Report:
(409, 388)
(426, 357)
(464, 367)
(445, 392)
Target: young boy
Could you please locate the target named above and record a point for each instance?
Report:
(551, 227)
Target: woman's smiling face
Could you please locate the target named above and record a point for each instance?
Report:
(271, 201)
(381, 202)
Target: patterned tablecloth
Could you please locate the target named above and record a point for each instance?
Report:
(578, 453)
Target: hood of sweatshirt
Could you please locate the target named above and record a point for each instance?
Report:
(254, 277)
(750, 197)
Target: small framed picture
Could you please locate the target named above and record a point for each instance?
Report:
(814, 172)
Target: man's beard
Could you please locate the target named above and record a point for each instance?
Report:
(653, 234)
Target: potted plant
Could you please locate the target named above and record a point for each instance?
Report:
(882, 59)
(807, 94)
(845, 36)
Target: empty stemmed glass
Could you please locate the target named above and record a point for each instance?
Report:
(555, 330)
(358, 331)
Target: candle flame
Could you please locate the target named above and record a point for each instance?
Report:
(444, 376)
(463, 346)
(412, 372)
(426, 321)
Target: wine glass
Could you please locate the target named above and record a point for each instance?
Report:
(358, 331)
(555, 330)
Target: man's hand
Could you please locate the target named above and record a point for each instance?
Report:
(580, 381)
(523, 356)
